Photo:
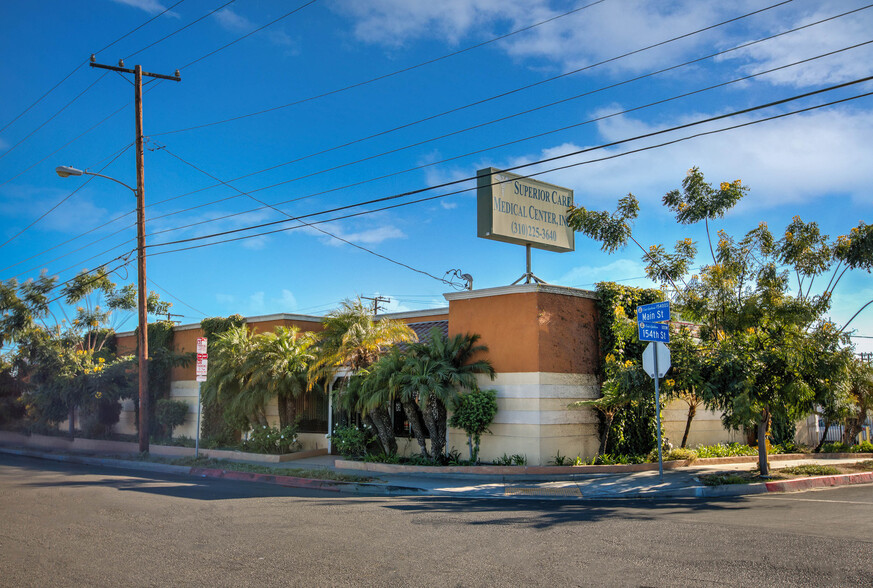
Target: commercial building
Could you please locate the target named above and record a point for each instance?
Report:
(542, 341)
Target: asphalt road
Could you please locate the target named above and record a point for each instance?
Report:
(72, 525)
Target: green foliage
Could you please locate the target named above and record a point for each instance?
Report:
(837, 447)
(862, 447)
(722, 479)
(769, 351)
(627, 407)
(810, 469)
(169, 414)
(474, 413)
(273, 440)
(614, 459)
(676, 454)
(214, 429)
(350, 441)
(560, 460)
(508, 460)
(722, 450)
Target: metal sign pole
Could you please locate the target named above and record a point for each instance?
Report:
(197, 434)
(658, 415)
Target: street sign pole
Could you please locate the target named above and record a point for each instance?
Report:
(658, 416)
(197, 436)
(200, 373)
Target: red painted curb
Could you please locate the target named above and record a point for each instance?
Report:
(290, 481)
(819, 482)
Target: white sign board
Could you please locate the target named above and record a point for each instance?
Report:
(663, 360)
(524, 211)
(201, 345)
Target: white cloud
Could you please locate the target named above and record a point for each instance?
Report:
(797, 159)
(150, 6)
(621, 270)
(810, 42)
(233, 22)
(366, 237)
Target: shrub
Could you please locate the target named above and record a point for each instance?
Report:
(266, 439)
(474, 412)
(679, 454)
(559, 459)
(722, 450)
(835, 448)
(170, 414)
(350, 441)
(862, 447)
(788, 447)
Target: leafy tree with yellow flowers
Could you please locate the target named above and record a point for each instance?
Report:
(769, 348)
(68, 367)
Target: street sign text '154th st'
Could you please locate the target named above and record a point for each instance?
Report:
(649, 317)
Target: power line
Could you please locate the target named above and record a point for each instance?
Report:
(384, 76)
(179, 30)
(530, 164)
(338, 238)
(286, 15)
(78, 67)
(49, 119)
(650, 74)
(509, 92)
(176, 298)
(441, 161)
(65, 145)
(53, 208)
(422, 166)
(481, 150)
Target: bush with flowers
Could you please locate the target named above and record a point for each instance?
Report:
(264, 439)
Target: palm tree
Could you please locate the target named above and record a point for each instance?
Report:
(388, 381)
(353, 340)
(277, 366)
(437, 371)
(229, 374)
(247, 371)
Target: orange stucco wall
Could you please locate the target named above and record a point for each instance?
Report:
(531, 331)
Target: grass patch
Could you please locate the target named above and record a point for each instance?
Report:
(723, 479)
(810, 469)
(221, 464)
(787, 473)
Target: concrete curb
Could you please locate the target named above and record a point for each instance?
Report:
(377, 489)
(799, 484)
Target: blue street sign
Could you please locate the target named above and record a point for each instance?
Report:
(653, 313)
(654, 332)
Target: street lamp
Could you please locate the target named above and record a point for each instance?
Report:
(67, 171)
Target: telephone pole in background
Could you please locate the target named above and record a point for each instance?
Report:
(377, 303)
(142, 293)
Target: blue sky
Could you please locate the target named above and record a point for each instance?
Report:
(339, 130)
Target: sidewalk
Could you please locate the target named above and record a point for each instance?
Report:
(676, 483)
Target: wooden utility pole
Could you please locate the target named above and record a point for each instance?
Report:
(377, 302)
(142, 288)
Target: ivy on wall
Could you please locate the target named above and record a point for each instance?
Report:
(162, 359)
(214, 429)
(633, 428)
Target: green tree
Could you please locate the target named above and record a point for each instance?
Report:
(762, 323)
(387, 381)
(353, 340)
(437, 370)
(474, 412)
(278, 366)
